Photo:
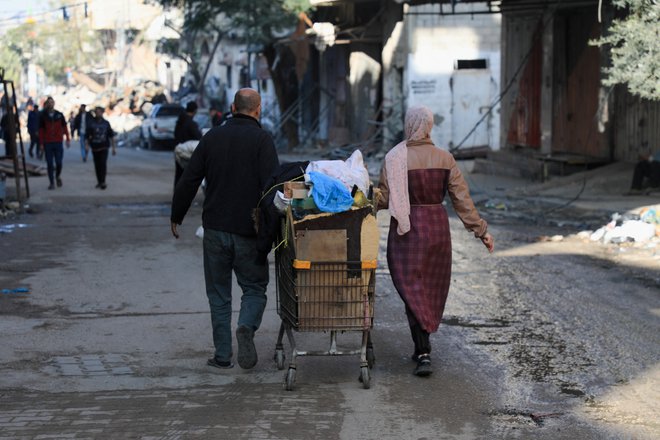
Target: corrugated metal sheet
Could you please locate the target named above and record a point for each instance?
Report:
(576, 85)
(525, 118)
(635, 125)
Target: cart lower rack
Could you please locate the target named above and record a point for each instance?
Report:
(318, 296)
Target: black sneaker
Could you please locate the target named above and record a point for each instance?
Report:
(51, 186)
(214, 362)
(59, 182)
(103, 186)
(423, 367)
(247, 353)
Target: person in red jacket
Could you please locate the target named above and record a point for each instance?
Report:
(52, 128)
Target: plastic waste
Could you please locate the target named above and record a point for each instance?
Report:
(183, 152)
(350, 172)
(329, 194)
(17, 290)
(651, 215)
(635, 230)
(281, 202)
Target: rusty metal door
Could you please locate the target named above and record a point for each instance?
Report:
(525, 121)
(577, 85)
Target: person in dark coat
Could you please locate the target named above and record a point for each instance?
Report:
(100, 137)
(9, 134)
(33, 130)
(236, 159)
(186, 129)
(80, 124)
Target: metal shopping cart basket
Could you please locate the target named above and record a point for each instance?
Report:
(321, 294)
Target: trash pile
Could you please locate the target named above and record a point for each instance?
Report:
(330, 186)
(631, 227)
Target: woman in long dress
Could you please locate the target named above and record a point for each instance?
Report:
(414, 179)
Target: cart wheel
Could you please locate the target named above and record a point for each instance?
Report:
(371, 358)
(290, 379)
(279, 359)
(365, 377)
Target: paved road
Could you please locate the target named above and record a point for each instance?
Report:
(541, 340)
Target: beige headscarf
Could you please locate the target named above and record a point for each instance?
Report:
(417, 126)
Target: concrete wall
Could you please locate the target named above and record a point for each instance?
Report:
(224, 77)
(458, 97)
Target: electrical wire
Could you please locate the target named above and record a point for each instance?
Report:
(522, 64)
(22, 15)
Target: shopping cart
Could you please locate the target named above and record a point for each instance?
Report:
(322, 296)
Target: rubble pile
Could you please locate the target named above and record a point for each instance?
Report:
(640, 227)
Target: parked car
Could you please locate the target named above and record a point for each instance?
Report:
(157, 129)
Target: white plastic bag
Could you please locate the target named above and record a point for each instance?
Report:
(350, 172)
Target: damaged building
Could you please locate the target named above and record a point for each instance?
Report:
(516, 78)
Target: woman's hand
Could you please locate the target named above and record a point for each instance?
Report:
(488, 241)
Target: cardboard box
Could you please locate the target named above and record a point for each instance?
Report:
(295, 190)
(334, 297)
(335, 292)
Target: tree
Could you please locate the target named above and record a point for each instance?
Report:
(635, 48)
(258, 23)
(54, 46)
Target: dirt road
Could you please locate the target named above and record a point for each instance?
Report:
(543, 340)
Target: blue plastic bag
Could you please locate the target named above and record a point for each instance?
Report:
(329, 194)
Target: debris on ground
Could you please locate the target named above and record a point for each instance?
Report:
(639, 227)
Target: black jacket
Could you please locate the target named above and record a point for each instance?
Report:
(237, 159)
(269, 216)
(186, 129)
(77, 122)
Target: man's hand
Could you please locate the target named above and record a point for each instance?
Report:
(68, 143)
(174, 231)
(488, 241)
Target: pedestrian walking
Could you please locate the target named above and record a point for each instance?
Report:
(80, 123)
(186, 129)
(52, 128)
(33, 130)
(9, 133)
(414, 180)
(216, 116)
(236, 160)
(100, 137)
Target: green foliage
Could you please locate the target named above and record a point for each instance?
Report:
(53, 46)
(254, 22)
(634, 43)
(10, 60)
(258, 21)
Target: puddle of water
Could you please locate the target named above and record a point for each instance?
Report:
(522, 417)
(137, 206)
(475, 323)
(141, 209)
(6, 229)
(571, 390)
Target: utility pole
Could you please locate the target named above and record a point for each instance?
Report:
(13, 128)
